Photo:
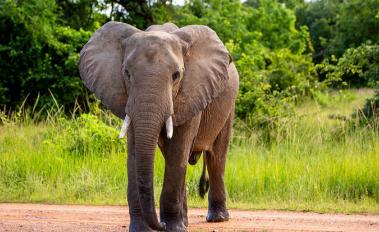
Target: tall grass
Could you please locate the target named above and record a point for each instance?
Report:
(311, 162)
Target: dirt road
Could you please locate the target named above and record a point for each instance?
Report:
(38, 217)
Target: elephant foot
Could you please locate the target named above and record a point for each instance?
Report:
(217, 212)
(139, 226)
(175, 226)
(217, 216)
(185, 222)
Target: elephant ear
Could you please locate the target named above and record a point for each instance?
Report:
(206, 71)
(100, 65)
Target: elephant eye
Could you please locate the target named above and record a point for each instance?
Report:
(176, 75)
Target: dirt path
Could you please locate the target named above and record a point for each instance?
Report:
(38, 217)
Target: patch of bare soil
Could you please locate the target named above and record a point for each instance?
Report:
(39, 217)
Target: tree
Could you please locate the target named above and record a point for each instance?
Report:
(336, 25)
(39, 54)
(81, 13)
(355, 25)
(136, 12)
(320, 17)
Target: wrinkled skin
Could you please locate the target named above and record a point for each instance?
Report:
(184, 73)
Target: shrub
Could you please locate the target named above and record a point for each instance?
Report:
(368, 115)
(86, 134)
(357, 67)
(38, 53)
(271, 82)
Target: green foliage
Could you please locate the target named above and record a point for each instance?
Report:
(313, 163)
(320, 18)
(80, 159)
(227, 18)
(357, 67)
(356, 25)
(275, 25)
(271, 82)
(328, 99)
(38, 54)
(82, 14)
(272, 91)
(269, 52)
(337, 25)
(271, 43)
(86, 134)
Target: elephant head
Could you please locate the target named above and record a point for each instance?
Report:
(152, 78)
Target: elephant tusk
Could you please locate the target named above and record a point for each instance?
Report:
(169, 127)
(124, 127)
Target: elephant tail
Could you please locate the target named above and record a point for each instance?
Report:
(204, 179)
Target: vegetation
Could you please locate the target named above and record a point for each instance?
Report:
(303, 139)
(275, 45)
(315, 162)
(337, 25)
(356, 68)
(368, 116)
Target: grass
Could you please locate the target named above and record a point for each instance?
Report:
(313, 162)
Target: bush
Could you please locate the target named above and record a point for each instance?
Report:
(369, 114)
(337, 25)
(38, 53)
(271, 83)
(356, 68)
(86, 134)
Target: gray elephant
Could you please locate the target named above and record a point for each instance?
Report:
(175, 87)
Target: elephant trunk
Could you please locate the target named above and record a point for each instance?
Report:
(148, 122)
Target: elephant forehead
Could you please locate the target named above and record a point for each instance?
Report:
(154, 48)
(153, 38)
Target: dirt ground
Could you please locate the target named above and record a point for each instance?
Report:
(38, 217)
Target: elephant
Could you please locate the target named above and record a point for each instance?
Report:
(175, 88)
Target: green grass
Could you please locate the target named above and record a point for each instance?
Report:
(313, 162)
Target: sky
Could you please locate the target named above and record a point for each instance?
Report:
(178, 2)
(181, 2)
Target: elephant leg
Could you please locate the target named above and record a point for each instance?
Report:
(215, 160)
(176, 152)
(184, 207)
(136, 221)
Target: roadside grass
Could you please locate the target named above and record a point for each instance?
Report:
(315, 161)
